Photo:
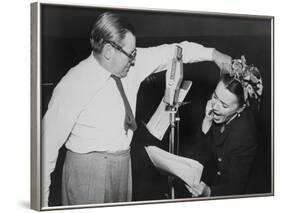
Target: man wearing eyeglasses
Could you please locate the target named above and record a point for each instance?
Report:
(92, 112)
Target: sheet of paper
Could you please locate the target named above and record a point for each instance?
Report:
(190, 171)
(160, 121)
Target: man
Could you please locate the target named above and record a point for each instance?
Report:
(92, 112)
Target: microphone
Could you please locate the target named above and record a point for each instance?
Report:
(174, 77)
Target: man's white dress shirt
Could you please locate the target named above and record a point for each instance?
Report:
(86, 111)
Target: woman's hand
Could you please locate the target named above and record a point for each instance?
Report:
(208, 120)
(200, 190)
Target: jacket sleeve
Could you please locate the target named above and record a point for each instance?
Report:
(201, 150)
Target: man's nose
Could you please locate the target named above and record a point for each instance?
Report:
(132, 62)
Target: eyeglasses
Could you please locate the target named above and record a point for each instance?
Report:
(131, 55)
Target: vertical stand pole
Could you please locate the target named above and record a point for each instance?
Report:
(178, 133)
(172, 148)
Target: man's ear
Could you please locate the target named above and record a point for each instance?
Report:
(107, 51)
(92, 42)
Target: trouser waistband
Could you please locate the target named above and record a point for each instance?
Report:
(116, 153)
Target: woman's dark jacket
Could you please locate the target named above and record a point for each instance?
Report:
(228, 156)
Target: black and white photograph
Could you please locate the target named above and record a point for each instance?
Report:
(137, 106)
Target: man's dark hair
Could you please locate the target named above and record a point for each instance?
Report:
(109, 27)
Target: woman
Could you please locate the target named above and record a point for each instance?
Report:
(228, 136)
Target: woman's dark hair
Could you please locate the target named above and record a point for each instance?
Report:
(109, 27)
(235, 87)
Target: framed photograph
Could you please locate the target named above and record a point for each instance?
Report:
(135, 106)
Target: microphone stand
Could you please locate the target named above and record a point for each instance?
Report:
(174, 123)
(174, 76)
(178, 132)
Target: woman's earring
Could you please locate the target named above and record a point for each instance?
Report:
(240, 110)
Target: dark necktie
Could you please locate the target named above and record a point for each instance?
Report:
(129, 122)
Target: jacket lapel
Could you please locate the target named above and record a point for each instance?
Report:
(220, 140)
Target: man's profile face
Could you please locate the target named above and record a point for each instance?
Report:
(121, 63)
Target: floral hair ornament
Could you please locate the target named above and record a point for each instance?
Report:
(249, 77)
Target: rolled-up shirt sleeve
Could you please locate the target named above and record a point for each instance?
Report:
(193, 52)
(155, 59)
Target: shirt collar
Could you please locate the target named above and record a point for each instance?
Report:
(97, 69)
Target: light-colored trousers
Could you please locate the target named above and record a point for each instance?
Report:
(96, 177)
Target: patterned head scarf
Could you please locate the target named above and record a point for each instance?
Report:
(249, 77)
